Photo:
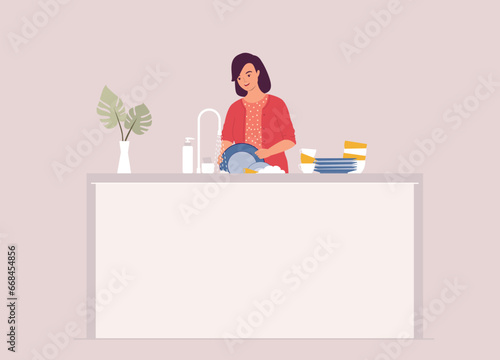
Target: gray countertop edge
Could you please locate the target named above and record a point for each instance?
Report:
(254, 178)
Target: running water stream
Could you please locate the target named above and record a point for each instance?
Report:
(218, 145)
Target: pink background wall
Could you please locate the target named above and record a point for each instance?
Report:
(393, 93)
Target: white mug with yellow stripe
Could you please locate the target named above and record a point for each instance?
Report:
(307, 156)
(356, 151)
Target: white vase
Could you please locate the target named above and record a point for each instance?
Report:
(124, 162)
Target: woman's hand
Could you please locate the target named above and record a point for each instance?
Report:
(263, 153)
(277, 148)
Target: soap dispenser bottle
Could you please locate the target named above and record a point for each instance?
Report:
(187, 156)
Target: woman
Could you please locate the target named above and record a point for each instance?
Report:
(259, 119)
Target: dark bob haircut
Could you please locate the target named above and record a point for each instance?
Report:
(239, 62)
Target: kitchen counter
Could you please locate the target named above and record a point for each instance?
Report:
(294, 177)
(256, 255)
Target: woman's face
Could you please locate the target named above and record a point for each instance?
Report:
(248, 78)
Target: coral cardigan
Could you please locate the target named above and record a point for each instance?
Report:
(276, 126)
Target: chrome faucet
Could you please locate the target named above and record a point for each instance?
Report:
(219, 133)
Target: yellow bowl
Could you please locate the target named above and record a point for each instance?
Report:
(354, 145)
(354, 156)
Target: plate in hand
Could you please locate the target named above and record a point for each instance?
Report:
(244, 156)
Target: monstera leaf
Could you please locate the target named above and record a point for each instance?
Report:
(138, 120)
(111, 108)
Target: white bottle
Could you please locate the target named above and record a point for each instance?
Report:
(187, 156)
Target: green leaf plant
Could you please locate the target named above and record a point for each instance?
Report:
(113, 112)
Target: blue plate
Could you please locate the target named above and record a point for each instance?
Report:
(334, 171)
(335, 165)
(240, 160)
(323, 162)
(334, 159)
(256, 166)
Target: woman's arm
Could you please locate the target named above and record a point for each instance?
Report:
(277, 148)
(283, 123)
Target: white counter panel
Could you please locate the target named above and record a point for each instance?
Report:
(201, 278)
